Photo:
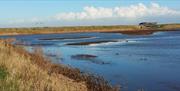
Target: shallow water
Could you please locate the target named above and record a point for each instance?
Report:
(148, 62)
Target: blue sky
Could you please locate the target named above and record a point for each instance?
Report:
(28, 13)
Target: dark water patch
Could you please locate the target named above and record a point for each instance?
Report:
(88, 57)
(64, 38)
(116, 53)
(175, 87)
(171, 85)
(104, 50)
(51, 55)
(93, 42)
(143, 59)
(58, 57)
(84, 56)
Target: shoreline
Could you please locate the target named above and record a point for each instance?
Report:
(141, 32)
(35, 67)
(124, 29)
(128, 32)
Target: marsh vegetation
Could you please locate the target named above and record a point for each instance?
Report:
(24, 71)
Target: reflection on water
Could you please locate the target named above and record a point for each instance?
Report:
(148, 62)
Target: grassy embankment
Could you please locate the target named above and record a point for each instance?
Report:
(48, 30)
(119, 28)
(23, 71)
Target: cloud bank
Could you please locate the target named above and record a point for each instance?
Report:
(90, 15)
(131, 12)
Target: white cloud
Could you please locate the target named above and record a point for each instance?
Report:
(133, 11)
(90, 15)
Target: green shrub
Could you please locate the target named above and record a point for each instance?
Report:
(3, 73)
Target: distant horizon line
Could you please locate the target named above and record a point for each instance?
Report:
(83, 25)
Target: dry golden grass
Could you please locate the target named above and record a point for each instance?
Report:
(170, 26)
(24, 75)
(115, 28)
(48, 30)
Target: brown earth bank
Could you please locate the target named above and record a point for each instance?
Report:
(125, 29)
(24, 71)
(140, 32)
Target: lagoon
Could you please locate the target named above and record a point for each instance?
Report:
(136, 62)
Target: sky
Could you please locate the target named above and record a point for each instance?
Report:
(43, 13)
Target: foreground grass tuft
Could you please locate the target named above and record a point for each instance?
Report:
(5, 84)
(3, 73)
